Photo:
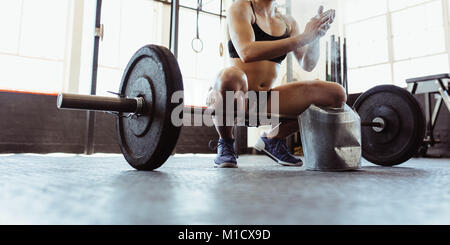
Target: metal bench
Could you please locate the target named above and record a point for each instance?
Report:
(438, 86)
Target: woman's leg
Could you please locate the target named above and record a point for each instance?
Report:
(283, 130)
(296, 97)
(230, 79)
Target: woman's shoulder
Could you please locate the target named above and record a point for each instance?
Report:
(241, 8)
(241, 2)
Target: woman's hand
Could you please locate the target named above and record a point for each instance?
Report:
(325, 27)
(318, 26)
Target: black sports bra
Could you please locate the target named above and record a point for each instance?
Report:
(260, 35)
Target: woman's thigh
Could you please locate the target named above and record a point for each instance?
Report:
(296, 97)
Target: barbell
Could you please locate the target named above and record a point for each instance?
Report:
(392, 121)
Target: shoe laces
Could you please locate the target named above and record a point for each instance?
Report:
(281, 147)
(227, 149)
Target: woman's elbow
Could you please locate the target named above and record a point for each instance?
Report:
(246, 56)
(246, 59)
(307, 66)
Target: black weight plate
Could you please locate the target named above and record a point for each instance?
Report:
(148, 140)
(404, 125)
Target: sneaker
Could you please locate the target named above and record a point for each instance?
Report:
(277, 150)
(226, 156)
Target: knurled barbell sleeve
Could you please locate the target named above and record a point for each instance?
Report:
(97, 103)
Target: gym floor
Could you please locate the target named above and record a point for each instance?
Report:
(103, 189)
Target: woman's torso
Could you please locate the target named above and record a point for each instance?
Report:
(262, 74)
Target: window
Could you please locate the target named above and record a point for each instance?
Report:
(129, 25)
(365, 78)
(10, 19)
(199, 69)
(370, 48)
(428, 65)
(390, 41)
(33, 44)
(356, 10)
(419, 42)
(401, 4)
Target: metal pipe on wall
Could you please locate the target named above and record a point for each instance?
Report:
(327, 75)
(333, 58)
(90, 120)
(289, 72)
(289, 64)
(345, 66)
(174, 23)
(338, 63)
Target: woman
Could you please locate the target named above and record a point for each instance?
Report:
(260, 39)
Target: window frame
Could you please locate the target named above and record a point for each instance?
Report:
(388, 15)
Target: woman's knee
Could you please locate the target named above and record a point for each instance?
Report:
(231, 79)
(329, 94)
(339, 95)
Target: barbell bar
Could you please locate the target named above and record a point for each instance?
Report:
(135, 106)
(100, 103)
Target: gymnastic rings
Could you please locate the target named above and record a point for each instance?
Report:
(221, 49)
(197, 45)
(220, 20)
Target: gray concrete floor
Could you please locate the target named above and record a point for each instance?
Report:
(70, 189)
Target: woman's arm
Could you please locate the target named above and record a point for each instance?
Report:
(308, 56)
(242, 36)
